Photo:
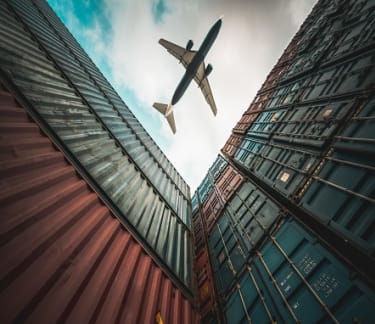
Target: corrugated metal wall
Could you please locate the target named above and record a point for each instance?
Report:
(295, 242)
(64, 256)
(59, 81)
(316, 127)
(218, 186)
(110, 107)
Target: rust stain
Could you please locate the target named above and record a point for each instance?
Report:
(65, 257)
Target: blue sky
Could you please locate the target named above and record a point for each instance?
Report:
(121, 37)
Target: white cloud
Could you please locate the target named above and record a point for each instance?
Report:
(252, 38)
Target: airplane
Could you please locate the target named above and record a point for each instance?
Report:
(193, 61)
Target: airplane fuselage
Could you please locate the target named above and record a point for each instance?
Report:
(199, 57)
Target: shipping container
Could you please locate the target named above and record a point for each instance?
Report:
(64, 256)
(211, 210)
(287, 94)
(206, 293)
(195, 203)
(307, 142)
(245, 121)
(227, 254)
(266, 122)
(199, 232)
(228, 182)
(274, 76)
(339, 30)
(218, 167)
(38, 63)
(309, 58)
(313, 124)
(205, 188)
(248, 151)
(209, 180)
(252, 214)
(78, 71)
(293, 278)
(221, 191)
(247, 217)
(260, 101)
(231, 146)
(356, 31)
(341, 192)
(287, 168)
(349, 77)
(303, 124)
(109, 95)
(282, 167)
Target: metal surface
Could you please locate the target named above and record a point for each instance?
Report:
(195, 203)
(294, 278)
(346, 203)
(228, 182)
(252, 214)
(228, 255)
(65, 257)
(107, 105)
(206, 186)
(211, 210)
(241, 226)
(198, 233)
(283, 167)
(218, 167)
(231, 145)
(116, 106)
(69, 101)
(207, 297)
(220, 192)
(307, 141)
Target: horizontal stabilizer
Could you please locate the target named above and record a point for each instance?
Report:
(171, 122)
(162, 108)
(167, 111)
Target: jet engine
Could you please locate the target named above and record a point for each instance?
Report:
(189, 45)
(208, 70)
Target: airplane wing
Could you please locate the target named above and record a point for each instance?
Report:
(202, 82)
(182, 54)
(171, 122)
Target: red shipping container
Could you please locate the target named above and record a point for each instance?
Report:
(228, 183)
(212, 209)
(244, 123)
(232, 144)
(65, 257)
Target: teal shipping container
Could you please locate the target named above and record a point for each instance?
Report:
(293, 278)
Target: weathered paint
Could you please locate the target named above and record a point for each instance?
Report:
(228, 183)
(293, 278)
(231, 145)
(93, 125)
(64, 256)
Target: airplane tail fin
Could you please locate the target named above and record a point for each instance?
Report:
(162, 108)
(167, 111)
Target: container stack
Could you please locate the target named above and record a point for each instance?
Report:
(262, 97)
(312, 143)
(220, 183)
(95, 220)
(206, 295)
(294, 242)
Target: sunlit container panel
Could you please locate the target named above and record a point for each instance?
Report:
(117, 177)
(65, 256)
